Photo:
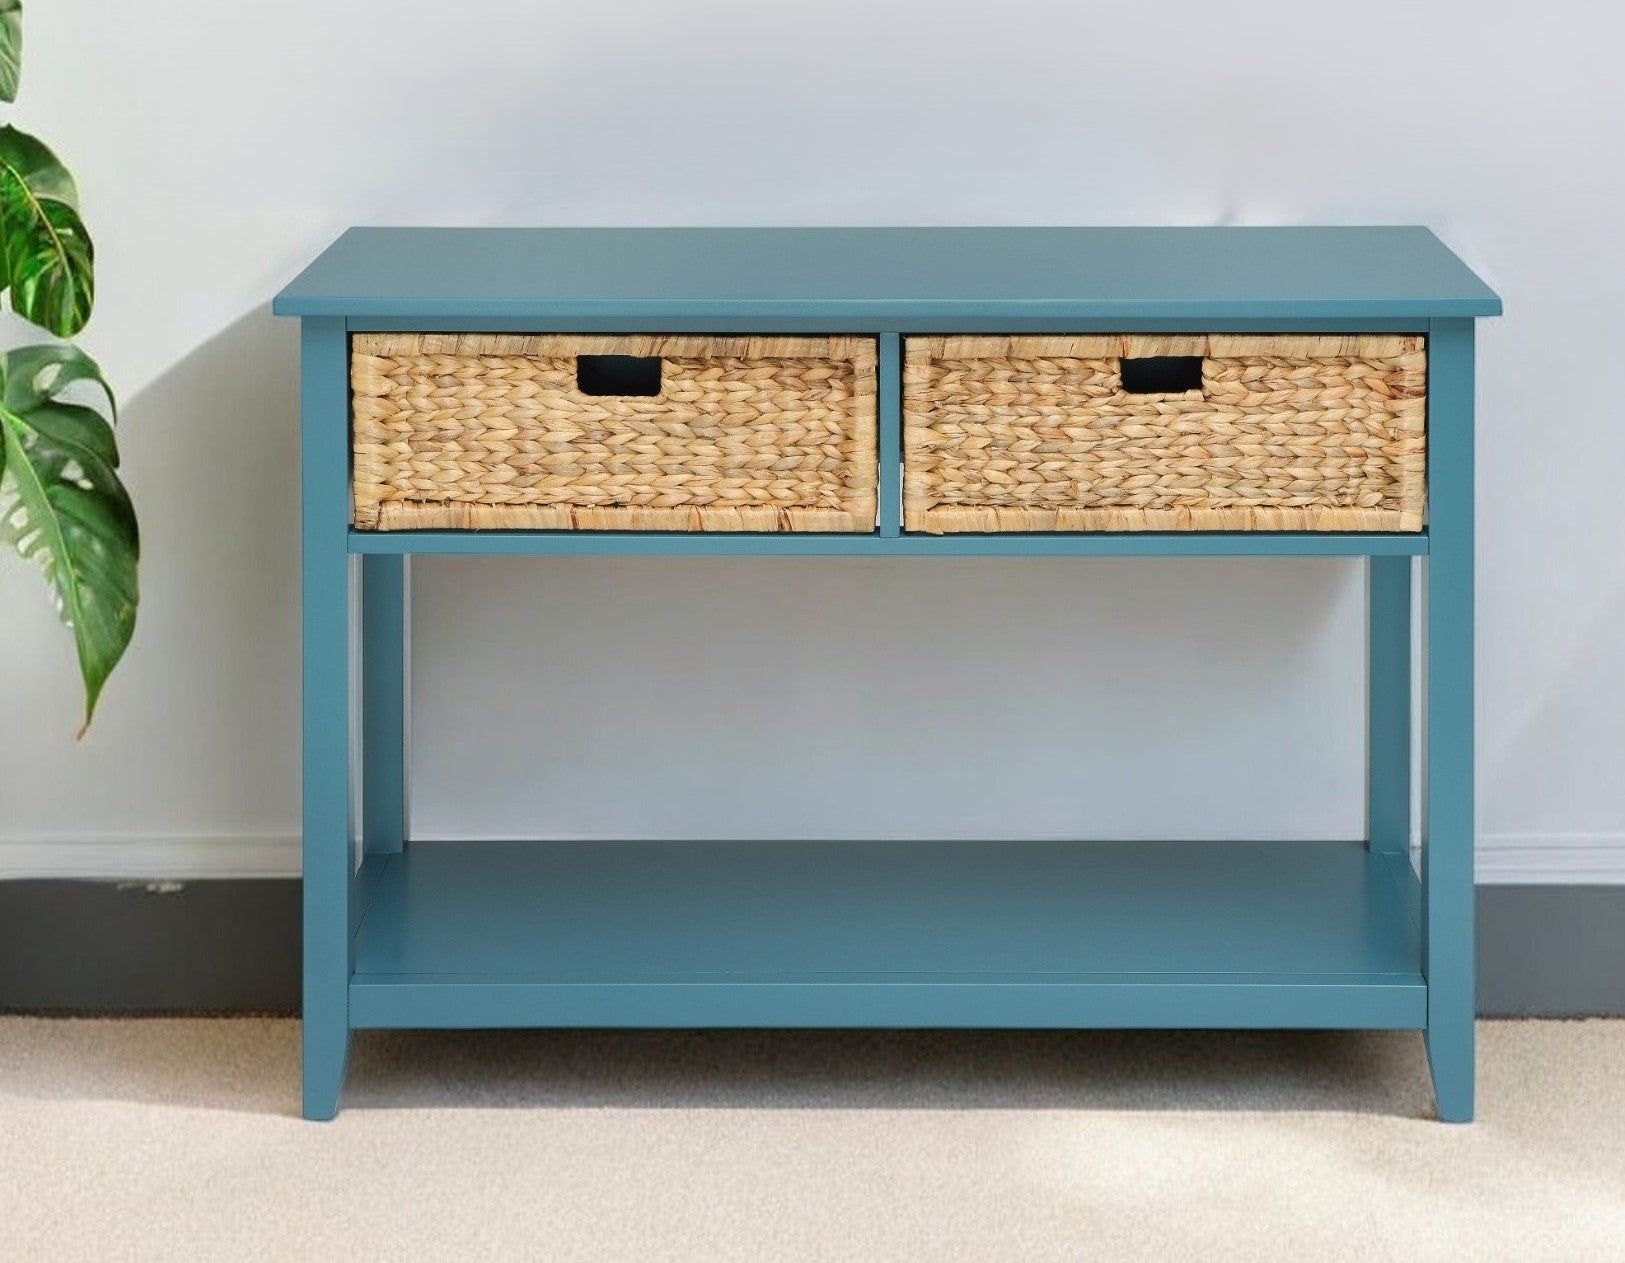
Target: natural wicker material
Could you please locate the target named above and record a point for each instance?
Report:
(1316, 433)
(490, 431)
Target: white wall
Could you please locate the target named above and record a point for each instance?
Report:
(219, 151)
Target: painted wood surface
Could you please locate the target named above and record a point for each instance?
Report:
(893, 933)
(328, 867)
(383, 703)
(743, 544)
(951, 934)
(1447, 852)
(727, 275)
(1388, 705)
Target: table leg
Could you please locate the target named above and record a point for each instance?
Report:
(329, 865)
(1388, 724)
(383, 703)
(1447, 861)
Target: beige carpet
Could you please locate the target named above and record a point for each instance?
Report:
(178, 1140)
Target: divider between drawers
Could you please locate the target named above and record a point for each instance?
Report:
(889, 417)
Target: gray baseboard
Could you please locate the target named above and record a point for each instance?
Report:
(1551, 951)
(233, 946)
(161, 947)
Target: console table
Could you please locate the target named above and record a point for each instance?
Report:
(399, 933)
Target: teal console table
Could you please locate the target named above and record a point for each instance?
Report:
(882, 934)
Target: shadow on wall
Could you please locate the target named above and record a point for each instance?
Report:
(1521, 768)
(824, 697)
(197, 734)
(200, 735)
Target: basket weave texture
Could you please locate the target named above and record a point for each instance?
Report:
(490, 431)
(1288, 432)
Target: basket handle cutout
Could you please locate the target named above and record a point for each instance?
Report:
(1160, 374)
(618, 374)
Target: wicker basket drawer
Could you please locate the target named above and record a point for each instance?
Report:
(1164, 433)
(634, 433)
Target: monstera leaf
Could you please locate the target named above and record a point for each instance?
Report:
(62, 504)
(48, 256)
(61, 501)
(11, 47)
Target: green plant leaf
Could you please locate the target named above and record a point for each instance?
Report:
(47, 256)
(34, 374)
(62, 504)
(11, 48)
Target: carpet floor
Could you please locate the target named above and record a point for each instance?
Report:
(179, 1140)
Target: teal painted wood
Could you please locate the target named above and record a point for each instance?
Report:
(635, 323)
(728, 275)
(1388, 709)
(889, 372)
(325, 494)
(888, 933)
(946, 934)
(679, 544)
(383, 702)
(1407, 883)
(1123, 1001)
(1447, 856)
(363, 888)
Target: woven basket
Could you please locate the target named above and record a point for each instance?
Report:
(500, 431)
(1280, 433)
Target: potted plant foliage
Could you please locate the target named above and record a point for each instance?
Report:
(61, 502)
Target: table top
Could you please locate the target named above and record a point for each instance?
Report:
(889, 274)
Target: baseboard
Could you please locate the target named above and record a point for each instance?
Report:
(1551, 950)
(233, 945)
(151, 857)
(1504, 859)
(150, 947)
(1544, 859)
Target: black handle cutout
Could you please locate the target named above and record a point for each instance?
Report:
(1161, 374)
(618, 374)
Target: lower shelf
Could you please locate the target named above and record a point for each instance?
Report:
(891, 934)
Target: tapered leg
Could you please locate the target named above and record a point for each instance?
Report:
(383, 703)
(328, 865)
(1388, 726)
(1447, 871)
